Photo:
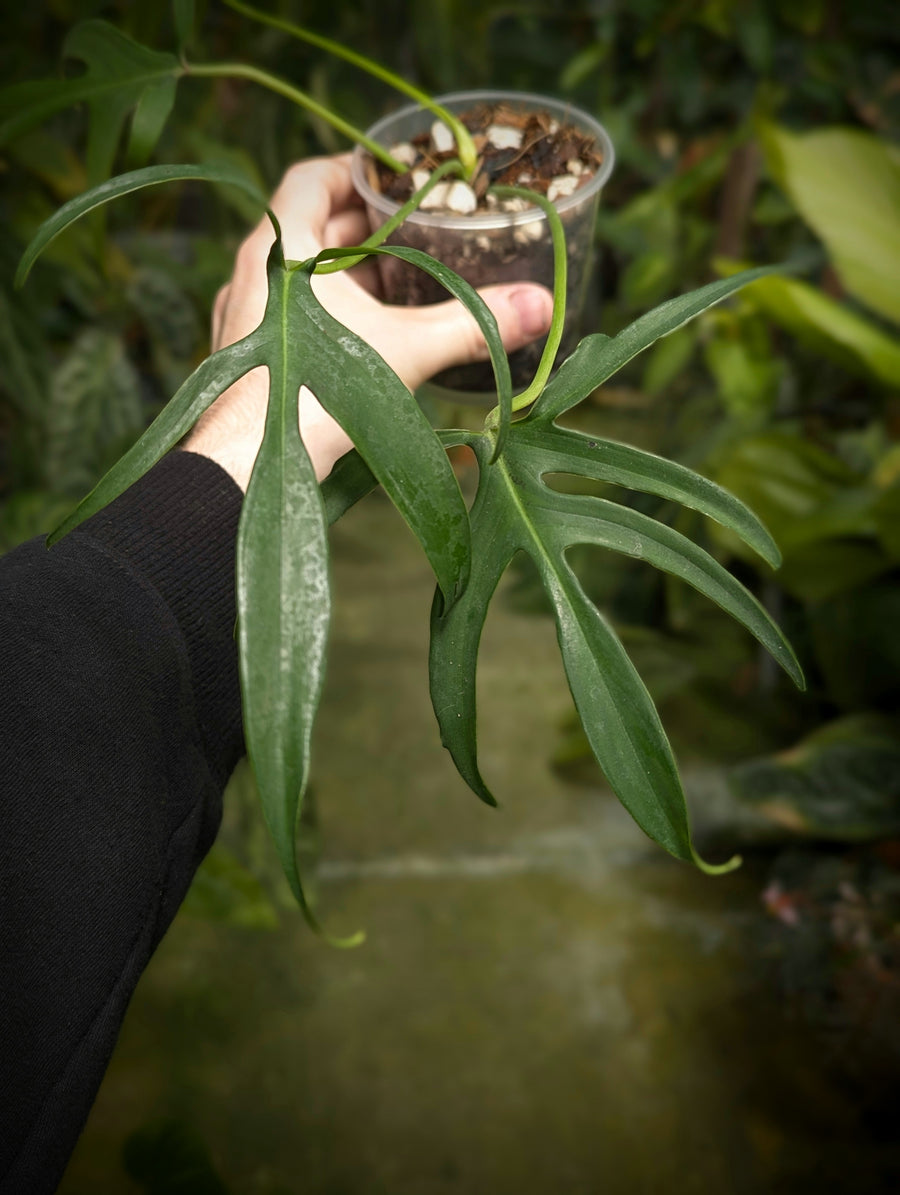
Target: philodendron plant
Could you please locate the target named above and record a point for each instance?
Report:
(282, 557)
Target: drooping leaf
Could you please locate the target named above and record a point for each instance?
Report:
(282, 584)
(124, 184)
(120, 75)
(515, 510)
(846, 185)
(470, 298)
(283, 600)
(598, 357)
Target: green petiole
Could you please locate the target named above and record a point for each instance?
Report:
(468, 155)
(560, 267)
(241, 70)
(381, 234)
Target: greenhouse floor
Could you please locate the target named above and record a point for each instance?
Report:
(545, 1003)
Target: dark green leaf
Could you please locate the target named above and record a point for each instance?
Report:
(283, 600)
(356, 387)
(474, 304)
(349, 480)
(598, 357)
(566, 451)
(514, 510)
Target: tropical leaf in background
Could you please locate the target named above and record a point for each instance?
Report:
(122, 77)
(94, 411)
(845, 183)
(845, 336)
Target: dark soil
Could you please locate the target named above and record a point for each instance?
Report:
(546, 150)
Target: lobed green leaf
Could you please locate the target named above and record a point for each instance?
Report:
(514, 510)
(561, 450)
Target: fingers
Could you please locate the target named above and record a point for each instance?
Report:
(425, 340)
(349, 227)
(311, 194)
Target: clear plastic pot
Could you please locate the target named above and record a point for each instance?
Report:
(495, 246)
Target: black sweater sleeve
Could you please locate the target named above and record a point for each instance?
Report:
(120, 717)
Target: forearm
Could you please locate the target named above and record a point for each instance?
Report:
(121, 715)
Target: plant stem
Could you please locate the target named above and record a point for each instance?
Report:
(381, 234)
(560, 271)
(241, 70)
(468, 155)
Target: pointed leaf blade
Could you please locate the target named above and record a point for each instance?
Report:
(149, 119)
(456, 631)
(198, 393)
(124, 184)
(579, 519)
(116, 59)
(349, 480)
(598, 357)
(619, 718)
(618, 714)
(283, 615)
(283, 593)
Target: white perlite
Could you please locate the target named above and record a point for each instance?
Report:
(441, 137)
(461, 198)
(562, 185)
(514, 204)
(404, 152)
(503, 136)
(436, 198)
(420, 178)
(533, 231)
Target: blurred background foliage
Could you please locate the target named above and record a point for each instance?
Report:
(745, 131)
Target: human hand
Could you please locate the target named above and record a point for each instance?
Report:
(317, 207)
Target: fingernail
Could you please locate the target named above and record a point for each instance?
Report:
(533, 309)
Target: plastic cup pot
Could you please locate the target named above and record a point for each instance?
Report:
(508, 243)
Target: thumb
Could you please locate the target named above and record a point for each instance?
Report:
(442, 335)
